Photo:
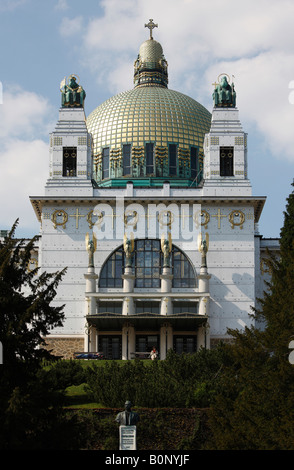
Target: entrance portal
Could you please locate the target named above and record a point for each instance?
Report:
(145, 343)
(110, 346)
(185, 344)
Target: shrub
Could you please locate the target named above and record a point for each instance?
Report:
(179, 381)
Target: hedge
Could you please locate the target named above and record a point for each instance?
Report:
(158, 429)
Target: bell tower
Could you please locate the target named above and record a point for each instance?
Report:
(225, 146)
(70, 162)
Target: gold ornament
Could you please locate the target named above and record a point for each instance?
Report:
(59, 213)
(241, 217)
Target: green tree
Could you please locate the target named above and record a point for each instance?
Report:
(28, 403)
(179, 381)
(255, 408)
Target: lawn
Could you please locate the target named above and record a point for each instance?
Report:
(76, 397)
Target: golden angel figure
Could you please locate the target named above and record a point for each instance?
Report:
(166, 247)
(91, 247)
(129, 248)
(203, 246)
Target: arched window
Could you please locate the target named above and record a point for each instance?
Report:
(147, 266)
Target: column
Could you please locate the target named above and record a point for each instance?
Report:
(203, 336)
(90, 333)
(91, 279)
(128, 341)
(92, 339)
(166, 339)
(203, 288)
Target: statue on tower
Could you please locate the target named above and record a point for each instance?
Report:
(224, 94)
(72, 94)
(128, 249)
(203, 246)
(166, 247)
(91, 247)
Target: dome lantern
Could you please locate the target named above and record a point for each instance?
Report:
(150, 67)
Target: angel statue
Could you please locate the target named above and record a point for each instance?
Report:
(91, 246)
(129, 248)
(203, 246)
(166, 247)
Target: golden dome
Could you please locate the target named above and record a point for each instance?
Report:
(148, 114)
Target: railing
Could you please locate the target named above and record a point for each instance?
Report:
(148, 313)
(142, 355)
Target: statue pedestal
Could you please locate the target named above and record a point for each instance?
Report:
(166, 306)
(128, 280)
(91, 279)
(203, 280)
(166, 279)
(128, 306)
(127, 438)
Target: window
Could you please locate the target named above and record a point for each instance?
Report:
(148, 263)
(194, 162)
(112, 270)
(185, 307)
(126, 160)
(147, 266)
(69, 161)
(172, 152)
(146, 343)
(183, 272)
(185, 344)
(226, 161)
(110, 307)
(110, 346)
(149, 159)
(147, 307)
(105, 163)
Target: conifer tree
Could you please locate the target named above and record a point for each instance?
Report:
(255, 409)
(26, 317)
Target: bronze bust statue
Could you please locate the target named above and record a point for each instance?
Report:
(127, 417)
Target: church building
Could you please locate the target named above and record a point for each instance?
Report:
(149, 206)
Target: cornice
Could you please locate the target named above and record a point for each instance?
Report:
(257, 201)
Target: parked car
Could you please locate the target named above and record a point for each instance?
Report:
(88, 355)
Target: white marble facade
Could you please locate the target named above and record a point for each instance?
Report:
(72, 206)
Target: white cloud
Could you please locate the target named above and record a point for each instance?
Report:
(61, 5)
(71, 26)
(23, 113)
(24, 117)
(23, 170)
(9, 5)
(201, 40)
(262, 86)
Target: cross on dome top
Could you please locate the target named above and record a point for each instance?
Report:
(151, 26)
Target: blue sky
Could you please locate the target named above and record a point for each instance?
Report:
(43, 42)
